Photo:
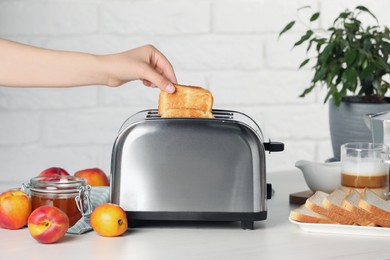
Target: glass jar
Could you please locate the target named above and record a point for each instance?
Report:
(68, 193)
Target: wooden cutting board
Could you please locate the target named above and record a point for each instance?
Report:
(299, 198)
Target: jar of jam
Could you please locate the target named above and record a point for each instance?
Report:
(68, 193)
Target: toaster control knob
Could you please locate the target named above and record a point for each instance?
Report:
(269, 191)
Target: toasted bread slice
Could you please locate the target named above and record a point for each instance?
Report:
(315, 203)
(185, 97)
(378, 207)
(303, 214)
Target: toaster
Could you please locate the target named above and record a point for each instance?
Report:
(191, 169)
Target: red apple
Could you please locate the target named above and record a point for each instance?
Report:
(48, 224)
(54, 171)
(15, 207)
(93, 176)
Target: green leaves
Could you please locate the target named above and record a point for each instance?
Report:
(304, 38)
(304, 63)
(364, 9)
(350, 59)
(349, 79)
(314, 16)
(287, 28)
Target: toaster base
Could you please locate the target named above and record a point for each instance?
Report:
(246, 218)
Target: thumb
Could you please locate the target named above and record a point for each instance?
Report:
(169, 87)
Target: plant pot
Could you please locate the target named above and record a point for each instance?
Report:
(346, 122)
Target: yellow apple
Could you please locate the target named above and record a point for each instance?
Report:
(109, 220)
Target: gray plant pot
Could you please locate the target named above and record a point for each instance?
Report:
(347, 124)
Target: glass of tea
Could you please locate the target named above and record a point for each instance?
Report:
(365, 165)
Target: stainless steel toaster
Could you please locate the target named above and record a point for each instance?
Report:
(191, 168)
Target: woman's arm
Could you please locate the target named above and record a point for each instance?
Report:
(27, 66)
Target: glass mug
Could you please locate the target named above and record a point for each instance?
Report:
(365, 165)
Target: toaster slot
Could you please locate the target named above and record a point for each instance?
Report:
(223, 114)
(152, 114)
(218, 114)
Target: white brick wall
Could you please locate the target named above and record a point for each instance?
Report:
(228, 46)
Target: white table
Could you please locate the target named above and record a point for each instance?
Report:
(274, 238)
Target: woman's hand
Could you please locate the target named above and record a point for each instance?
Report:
(27, 66)
(145, 63)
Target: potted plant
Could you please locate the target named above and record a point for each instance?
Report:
(352, 61)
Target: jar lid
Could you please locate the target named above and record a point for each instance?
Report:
(56, 184)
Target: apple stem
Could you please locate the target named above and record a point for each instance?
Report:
(46, 223)
(120, 222)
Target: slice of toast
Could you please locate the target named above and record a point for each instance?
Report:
(303, 214)
(190, 98)
(315, 203)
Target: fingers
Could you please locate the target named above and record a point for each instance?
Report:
(159, 72)
(155, 79)
(169, 88)
(162, 65)
(145, 63)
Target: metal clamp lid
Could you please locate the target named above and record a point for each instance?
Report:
(84, 195)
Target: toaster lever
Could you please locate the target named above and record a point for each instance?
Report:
(274, 146)
(269, 191)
